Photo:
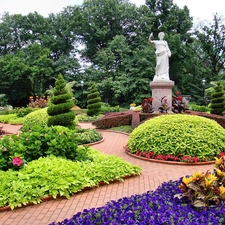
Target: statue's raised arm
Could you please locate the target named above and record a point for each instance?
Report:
(150, 37)
(162, 57)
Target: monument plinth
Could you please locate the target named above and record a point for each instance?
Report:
(161, 89)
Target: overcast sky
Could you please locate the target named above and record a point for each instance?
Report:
(202, 9)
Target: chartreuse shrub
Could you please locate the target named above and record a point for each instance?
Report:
(94, 101)
(11, 119)
(179, 135)
(86, 136)
(38, 118)
(57, 176)
(60, 108)
(40, 142)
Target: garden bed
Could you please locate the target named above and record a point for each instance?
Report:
(169, 162)
(50, 197)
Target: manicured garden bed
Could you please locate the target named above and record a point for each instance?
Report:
(158, 207)
(56, 176)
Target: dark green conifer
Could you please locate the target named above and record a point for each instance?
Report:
(59, 109)
(94, 101)
(218, 100)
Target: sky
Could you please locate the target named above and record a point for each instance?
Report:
(199, 9)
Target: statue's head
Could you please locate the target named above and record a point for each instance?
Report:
(161, 35)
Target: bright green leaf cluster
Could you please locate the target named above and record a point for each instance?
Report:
(57, 176)
(39, 142)
(179, 135)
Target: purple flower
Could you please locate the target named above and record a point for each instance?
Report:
(158, 207)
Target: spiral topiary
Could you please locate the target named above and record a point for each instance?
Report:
(94, 101)
(179, 135)
(59, 109)
(218, 100)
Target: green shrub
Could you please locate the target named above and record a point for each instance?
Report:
(106, 108)
(86, 118)
(199, 108)
(60, 106)
(39, 142)
(94, 101)
(7, 118)
(218, 100)
(87, 136)
(36, 118)
(179, 135)
(56, 176)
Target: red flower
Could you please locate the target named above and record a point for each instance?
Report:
(150, 99)
(177, 92)
(179, 98)
(17, 161)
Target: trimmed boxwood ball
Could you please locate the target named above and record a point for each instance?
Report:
(179, 135)
(36, 118)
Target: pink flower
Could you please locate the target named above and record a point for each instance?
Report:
(17, 161)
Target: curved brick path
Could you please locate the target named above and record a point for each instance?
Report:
(57, 210)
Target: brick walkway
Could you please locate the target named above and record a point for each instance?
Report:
(57, 210)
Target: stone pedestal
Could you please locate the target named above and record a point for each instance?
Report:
(159, 90)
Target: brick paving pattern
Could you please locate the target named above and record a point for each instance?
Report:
(152, 176)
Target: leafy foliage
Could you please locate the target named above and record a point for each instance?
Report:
(59, 109)
(87, 136)
(86, 118)
(36, 118)
(207, 189)
(26, 72)
(218, 100)
(39, 142)
(56, 176)
(199, 108)
(179, 135)
(94, 101)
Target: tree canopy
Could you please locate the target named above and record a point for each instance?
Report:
(106, 42)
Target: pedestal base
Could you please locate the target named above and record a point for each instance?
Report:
(161, 89)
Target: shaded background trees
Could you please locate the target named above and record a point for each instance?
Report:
(106, 42)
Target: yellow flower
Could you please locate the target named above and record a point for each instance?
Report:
(209, 180)
(220, 173)
(197, 176)
(219, 161)
(222, 192)
(187, 180)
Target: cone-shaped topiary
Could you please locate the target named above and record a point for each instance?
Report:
(218, 100)
(179, 135)
(59, 110)
(94, 101)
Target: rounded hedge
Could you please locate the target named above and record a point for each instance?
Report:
(179, 135)
(36, 118)
(40, 118)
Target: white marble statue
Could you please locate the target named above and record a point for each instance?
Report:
(162, 58)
